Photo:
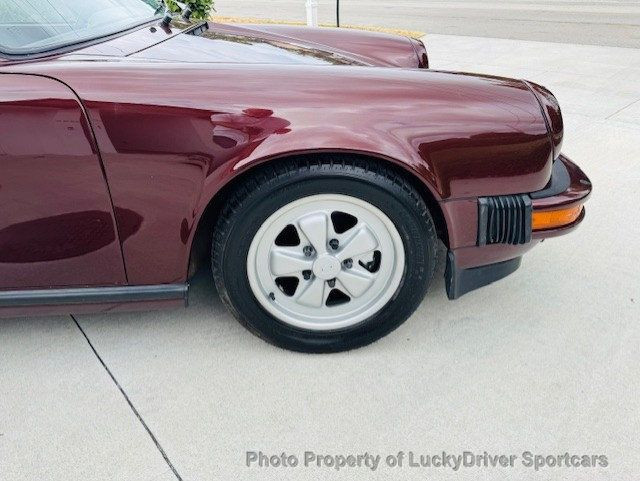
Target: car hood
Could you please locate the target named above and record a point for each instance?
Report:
(259, 44)
(226, 45)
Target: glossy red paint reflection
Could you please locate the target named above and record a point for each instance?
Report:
(56, 222)
(200, 131)
(365, 47)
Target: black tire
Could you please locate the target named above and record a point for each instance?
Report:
(273, 186)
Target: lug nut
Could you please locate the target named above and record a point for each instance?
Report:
(348, 263)
(334, 243)
(308, 251)
(306, 275)
(332, 283)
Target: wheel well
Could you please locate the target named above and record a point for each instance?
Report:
(200, 248)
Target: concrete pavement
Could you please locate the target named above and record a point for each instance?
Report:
(593, 22)
(61, 417)
(546, 361)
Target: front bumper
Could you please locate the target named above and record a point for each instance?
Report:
(569, 188)
(509, 226)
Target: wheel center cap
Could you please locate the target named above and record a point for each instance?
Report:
(326, 267)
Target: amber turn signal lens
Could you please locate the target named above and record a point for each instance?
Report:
(552, 219)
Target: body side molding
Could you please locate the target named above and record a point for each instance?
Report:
(91, 295)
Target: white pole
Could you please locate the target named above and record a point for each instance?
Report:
(312, 13)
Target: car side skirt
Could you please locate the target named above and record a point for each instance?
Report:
(94, 295)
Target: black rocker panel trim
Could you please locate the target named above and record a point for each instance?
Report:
(93, 295)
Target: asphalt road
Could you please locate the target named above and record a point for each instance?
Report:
(594, 22)
(546, 361)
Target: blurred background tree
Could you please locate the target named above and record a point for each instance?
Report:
(200, 8)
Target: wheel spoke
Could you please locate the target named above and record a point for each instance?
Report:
(355, 284)
(284, 262)
(363, 241)
(314, 227)
(313, 295)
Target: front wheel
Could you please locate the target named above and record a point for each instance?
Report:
(324, 257)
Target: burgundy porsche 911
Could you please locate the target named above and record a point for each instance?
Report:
(314, 170)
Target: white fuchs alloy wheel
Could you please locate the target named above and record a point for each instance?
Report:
(326, 262)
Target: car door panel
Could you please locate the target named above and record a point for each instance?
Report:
(57, 227)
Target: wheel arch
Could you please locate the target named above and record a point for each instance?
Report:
(200, 245)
